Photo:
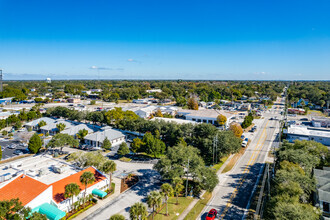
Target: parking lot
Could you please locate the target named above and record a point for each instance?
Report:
(10, 146)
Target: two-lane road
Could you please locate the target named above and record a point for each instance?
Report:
(231, 197)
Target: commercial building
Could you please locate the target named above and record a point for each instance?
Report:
(146, 111)
(296, 111)
(73, 100)
(6, 101)
(49, 199)
(96, 139)
(174, 120)
(205, 115)
(73, 131)
(298, 132)
(321, 122)
(39, 183)
(52, 129)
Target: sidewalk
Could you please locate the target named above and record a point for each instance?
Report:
(101, 203)
(194, 202)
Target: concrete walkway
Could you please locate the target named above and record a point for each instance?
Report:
(101, 203)
(194, 202)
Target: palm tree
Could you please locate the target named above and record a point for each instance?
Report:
(138, 211)
(109, 167)
(82, 134)
(87, 178)
(178, 187)
(154, 200)
(60, 127)
(167, 191)
(71, 190)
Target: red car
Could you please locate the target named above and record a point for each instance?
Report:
(212, 214)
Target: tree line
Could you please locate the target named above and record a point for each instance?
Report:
(293, 184)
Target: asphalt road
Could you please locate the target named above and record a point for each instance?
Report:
(233, 194)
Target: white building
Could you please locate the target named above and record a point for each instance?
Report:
(96, 139)
(153, 90)
(298, 132)
(49, 199)
(321, 122)
(48, 80)
(4, 115)
(73, 131)
(34, 125)
(173, 120)
(52, 129)
(204, 115)
(146, 111)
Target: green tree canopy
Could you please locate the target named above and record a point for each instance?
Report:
(138, 211)
(123, 149)
(35, 143)
(136, 145)
(106, 144)
(61, 140)
(117, 217)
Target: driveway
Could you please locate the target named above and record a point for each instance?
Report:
(149, 181)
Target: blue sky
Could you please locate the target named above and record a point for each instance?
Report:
(165, 39)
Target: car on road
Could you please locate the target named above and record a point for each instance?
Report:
(3, 148)
(211, 215)
(242, 137)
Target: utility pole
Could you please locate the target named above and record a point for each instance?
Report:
(187, 179)
(215, 149)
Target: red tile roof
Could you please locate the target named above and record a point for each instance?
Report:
(25, 188)
(59, 186)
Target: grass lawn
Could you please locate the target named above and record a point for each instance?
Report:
(219, 165)
(173, 209)
(233, 160)
(125, 159)
(193, 214)
(315, 112)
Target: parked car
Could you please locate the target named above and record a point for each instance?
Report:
(242, 137)
(12, 146)
(18, 152)
(212, 214)
(245, 142)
